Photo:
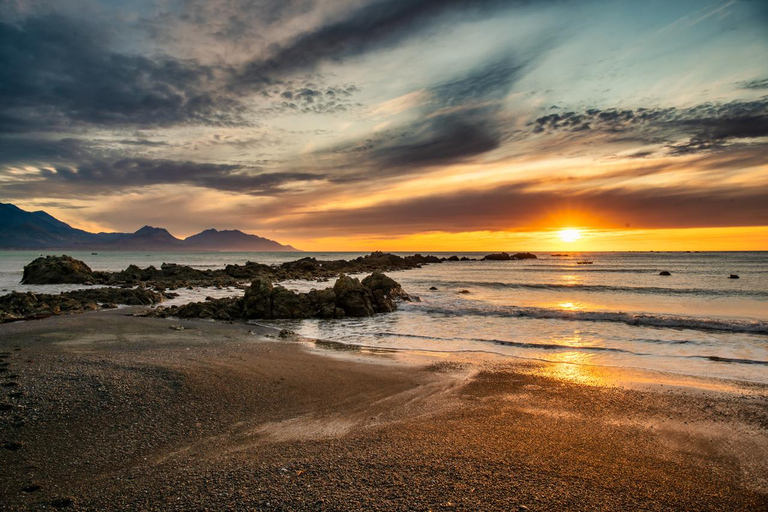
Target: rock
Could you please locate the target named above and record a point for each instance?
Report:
(733, 276)
(323, 303)
(464, 292)
(665, 273)
(109, 305)
(524, 256)
(29, 306)
(289, 304)
(503, 256)
(385, 291)
(453, 258)
(352, 297)
(57, 270)
(433, 288)
(257, 302)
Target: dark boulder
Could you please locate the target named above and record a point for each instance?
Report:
(524, 256)
(352, 297)
(289, 304)
(385, 291)
(257, 302)
(57, 270)
(733, 276)
(497, 257)
(323, 304)
(665, 273)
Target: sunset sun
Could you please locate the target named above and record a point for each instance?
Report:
(569, 235)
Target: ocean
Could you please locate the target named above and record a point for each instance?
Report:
(616, 312)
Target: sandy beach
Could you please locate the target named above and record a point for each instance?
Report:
(105, 411)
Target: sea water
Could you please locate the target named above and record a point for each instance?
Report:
(617, 311)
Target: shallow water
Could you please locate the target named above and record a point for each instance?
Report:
(616, 312)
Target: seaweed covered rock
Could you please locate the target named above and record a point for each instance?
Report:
(57, 270)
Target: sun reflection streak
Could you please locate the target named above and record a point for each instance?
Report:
(575, 367)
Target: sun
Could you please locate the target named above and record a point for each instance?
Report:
(569, 235)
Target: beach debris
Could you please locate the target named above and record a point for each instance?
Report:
(665, 273)
(286, 333)
(177, 327)
(62, 502)
(733, 276)
(12, 445)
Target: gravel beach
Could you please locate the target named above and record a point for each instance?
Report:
(105, 411)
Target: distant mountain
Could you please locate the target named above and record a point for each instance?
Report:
(234, 240)
(20, 229)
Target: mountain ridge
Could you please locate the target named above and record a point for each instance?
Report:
(20, 229)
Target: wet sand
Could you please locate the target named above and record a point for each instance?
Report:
(103, 411)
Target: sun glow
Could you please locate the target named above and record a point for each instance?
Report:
(570, 235)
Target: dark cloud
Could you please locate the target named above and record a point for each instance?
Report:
(101, 176)
(374, 26)
(516, 206)
(310, 98)
(760, 83)
(705, 127)
(461, 118)
(55, 72)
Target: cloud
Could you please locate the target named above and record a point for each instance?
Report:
(518, 207)
(102, 176)
(376, 25)
(758, 83)
(705, 127)
(459, 119)
(294, 97)
(55, 72)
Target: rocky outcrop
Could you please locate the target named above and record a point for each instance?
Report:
(503, 256)
(173, 276)
(28, 306)
(349, 297)
(57, 270)
(352, 297)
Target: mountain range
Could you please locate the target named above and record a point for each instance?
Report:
(20, 229)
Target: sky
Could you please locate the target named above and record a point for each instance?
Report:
(393, 124)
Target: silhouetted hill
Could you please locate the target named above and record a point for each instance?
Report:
(234, 239)
(20, 229)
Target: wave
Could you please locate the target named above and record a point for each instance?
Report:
(634, 319)
(581, 348)
(605, 288)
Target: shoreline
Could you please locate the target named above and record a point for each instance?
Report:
(128, 412)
